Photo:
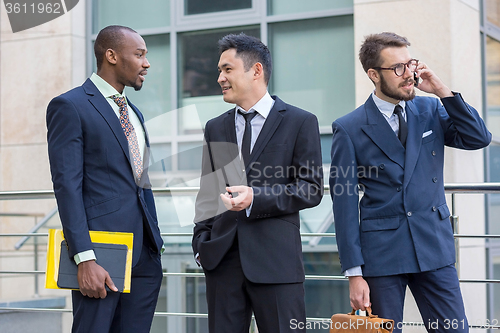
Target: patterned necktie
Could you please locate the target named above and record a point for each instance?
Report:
(247, 136)
(403, 126)
(129, 131)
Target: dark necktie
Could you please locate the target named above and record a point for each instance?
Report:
(247, 136)
(403, 127)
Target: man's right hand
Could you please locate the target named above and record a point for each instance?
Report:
(359, 293)
(92, 280)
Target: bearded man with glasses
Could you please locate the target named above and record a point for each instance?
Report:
(399, 233)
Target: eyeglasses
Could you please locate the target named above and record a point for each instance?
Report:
(400, 68)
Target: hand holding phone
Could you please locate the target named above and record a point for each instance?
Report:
(415, 78)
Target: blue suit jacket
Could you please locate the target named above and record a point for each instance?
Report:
(285, 172)
(402, 225)
(91, 172)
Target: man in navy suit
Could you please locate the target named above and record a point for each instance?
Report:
(247, 234)
(392, 149)
(98, 152)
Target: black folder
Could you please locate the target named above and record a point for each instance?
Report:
(112, 257)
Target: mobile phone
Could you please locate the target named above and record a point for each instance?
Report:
(415, 78)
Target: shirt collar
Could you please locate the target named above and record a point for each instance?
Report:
(104, 87)
(385, 107)
(263, 106)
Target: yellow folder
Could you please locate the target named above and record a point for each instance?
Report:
(54, 253)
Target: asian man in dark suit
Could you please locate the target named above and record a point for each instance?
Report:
(247, 234)
(392, 149)
(98, 152)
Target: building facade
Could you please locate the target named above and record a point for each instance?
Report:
(314, 45)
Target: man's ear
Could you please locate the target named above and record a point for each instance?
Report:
(373, 75)
(111, 56)
(258, 70)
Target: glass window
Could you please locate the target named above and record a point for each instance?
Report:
(204, 6)
(161, 161)
(277, 7)
(198, 82)
(135, 14)
(154, 98)
(493, 11)
(190, 155)
(326, 148)
(493, 84)
(313, 65)
(323, 298)
(496, 287)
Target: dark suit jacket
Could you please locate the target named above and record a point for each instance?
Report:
(286, 175)
(402, 225)
(91, 172)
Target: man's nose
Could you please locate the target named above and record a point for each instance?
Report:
(221, 77)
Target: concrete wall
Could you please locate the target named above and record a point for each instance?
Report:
(35, 66)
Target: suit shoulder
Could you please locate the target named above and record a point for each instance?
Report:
(69, 97)
(424, 101)
(353, 118)
(298, 113)
(216, 121)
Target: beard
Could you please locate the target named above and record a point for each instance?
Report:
(395, 93)
(136, 86)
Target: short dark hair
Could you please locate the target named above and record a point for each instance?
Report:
(250, 49)
(369, 54)
(110, 37)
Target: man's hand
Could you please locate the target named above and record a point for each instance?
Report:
(92, 279)
(242, 201)
(359, 293)
(431, 83)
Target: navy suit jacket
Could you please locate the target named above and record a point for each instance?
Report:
(91, 172)
(401, 225)
(285, 172)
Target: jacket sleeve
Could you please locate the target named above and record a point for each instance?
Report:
(206, 200)
(463, 127)
(345, 197)
(65, 145)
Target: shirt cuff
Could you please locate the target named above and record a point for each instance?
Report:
(353, 271)
(249, 209)
(197, 259)
(84, 256)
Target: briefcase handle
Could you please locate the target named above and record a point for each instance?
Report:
(368, 313)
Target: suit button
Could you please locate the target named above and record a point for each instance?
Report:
(398, 189)
(409, 214)
(434, 208)
(433, 153)
(435, 179)
(382, 166)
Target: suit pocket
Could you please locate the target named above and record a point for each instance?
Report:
(387, 223)
(429, 138)
(103, 208)
(444, 212)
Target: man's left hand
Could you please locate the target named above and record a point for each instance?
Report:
(431, 83)
(236, 203)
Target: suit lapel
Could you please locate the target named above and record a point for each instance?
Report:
(230, 127)
(416, 125)
(270, 125)
(102, 106)
(381, 133)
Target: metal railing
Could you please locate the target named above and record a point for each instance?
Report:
(453, 189)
